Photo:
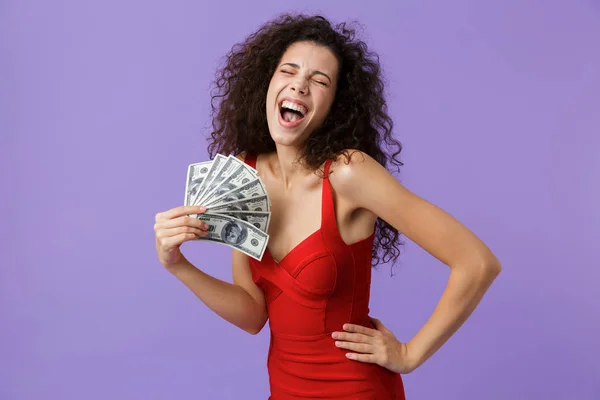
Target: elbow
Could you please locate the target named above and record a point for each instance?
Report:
(481, 272)
(497, 268)
(493, 267)
(254, 329)
(480, 268)
(490, 269)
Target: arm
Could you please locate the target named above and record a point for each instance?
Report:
(366, 184)
(241, 303)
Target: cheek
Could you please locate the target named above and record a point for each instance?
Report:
(271, 94)
(324, 108)
(270, 97)
(276, 84)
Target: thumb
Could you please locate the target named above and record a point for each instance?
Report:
(379, 325)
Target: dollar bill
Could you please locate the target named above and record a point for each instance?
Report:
(231, 166)
(239, 177)
(216, 165)
(235, 233)
(195, 177)
(259, 219)
(260, 203)
(253, 188)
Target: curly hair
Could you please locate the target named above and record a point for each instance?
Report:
(357, 119)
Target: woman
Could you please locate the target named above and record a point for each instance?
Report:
(302, 102)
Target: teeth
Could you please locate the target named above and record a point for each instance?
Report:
(293, 106)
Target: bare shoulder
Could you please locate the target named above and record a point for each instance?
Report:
(367, 184)
(353, 168)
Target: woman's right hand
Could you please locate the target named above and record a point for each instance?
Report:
(174, 227)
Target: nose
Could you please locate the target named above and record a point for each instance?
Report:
(300, 86)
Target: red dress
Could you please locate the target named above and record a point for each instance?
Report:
(318, 286)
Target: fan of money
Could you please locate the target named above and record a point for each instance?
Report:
(236, 201)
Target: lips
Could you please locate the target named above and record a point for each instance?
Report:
(292, 104)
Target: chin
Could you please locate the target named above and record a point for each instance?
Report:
(288, 138)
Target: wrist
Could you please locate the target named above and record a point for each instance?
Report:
(414, 356)
(179, 267)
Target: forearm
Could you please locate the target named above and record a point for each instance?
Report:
(231, 302)
(465, 289)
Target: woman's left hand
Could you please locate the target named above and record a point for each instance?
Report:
(377, 346)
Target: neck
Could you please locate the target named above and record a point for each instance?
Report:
(289, 169)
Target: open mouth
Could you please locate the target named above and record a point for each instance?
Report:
(292, 113)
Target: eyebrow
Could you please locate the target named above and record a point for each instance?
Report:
(296, 66)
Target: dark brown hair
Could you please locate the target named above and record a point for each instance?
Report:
(358, 117)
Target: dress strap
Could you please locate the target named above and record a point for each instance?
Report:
(326, 169)
(250, 159)
(328, 222)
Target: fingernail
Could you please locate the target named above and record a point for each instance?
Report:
(205, 226)
(334, 335)
(202, 208)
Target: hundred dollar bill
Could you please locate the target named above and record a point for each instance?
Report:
(239, 177)
(253, 188)
(260, 203)
(229, 167)
(236, 234)
(216, 165)
(195, 177)
(259, 219)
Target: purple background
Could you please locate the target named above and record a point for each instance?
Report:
(104, 104)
